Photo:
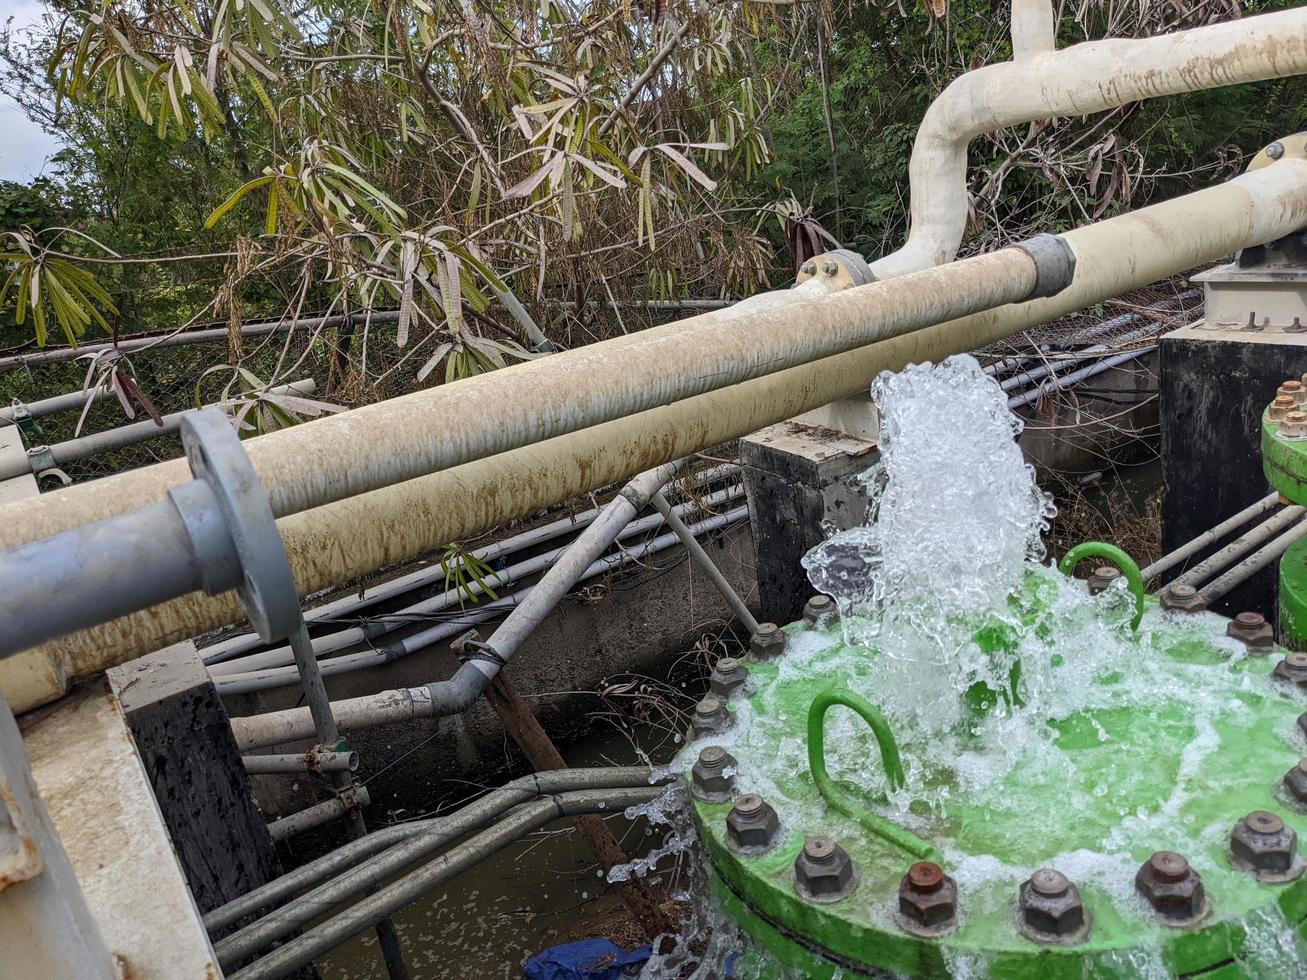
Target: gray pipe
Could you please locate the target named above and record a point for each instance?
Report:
(1241, 545)
(311, 761)
(315, 816)
(1191, 548)
(357, 919)
(381, 625)
(1067, 380)
(234, 646)
(1023, 378)
(375, 870)
(705, 563)
(1251, 565)
(58, 403)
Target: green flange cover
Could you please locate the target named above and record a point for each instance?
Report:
(1284, 461)
(1136, 789)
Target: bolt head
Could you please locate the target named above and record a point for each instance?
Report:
(1171, 886)
(1295, 781)
(818, 611)
(1275, 150)
(1292, 669)
(1183, 598)
(1262, 842)
(710, 716)
(927, 896)
(752, 825)
(1281, 406)
(829, 267)
(1050, 905)
(768, 643)
(1252, 629)
(1294, 426)
(808, 268)
(823, 871)
(712, 777)
(728, 676)
(1102, 578)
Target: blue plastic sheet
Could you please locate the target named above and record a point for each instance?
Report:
(588, 959)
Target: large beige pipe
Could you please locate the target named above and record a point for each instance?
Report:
(1085, 78)
(335, 544)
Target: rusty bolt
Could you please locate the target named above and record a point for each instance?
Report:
(752, 825)
(829, 267)
(1292, 669)
(1252, 629)
(728, 676)
(1293, 388)
(1170, 886)
(1294, 426)
(1275, 150)
(1281, 406)
(710, 716)
(808, 268)
(1102, 579)
(927, 896)
(768, 642)
(1262, 842)
(818, 611)
(1050, 906)
(823, 871)
(1295, 781)
(712, 778)
(1184, 598)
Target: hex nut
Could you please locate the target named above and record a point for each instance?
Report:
(712, 777)
(1183, 598)
(1275, 150)
(1171, 887)
(1292, 669)
(1051, 909)
(710, 716)
(728, 675)
(1290, 389)
(818, 611)
(928, 897)
(1262, 843)
(823, 871)
(752, 825)
(1102, 578)
(1281, 406)
(1294, 426)
(1251, 629)
(768, 643)
(1295, 781)
(808, 268)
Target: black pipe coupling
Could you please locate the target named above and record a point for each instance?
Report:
(1055, 264)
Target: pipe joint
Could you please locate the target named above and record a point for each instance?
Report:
(1055, 264)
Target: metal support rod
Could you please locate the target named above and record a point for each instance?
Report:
(58, 403)
(1240, 546)
(314, 816)
(1075, 377)
(315, 760)
(430, 876)
(1022, 379)
(1251, 565)
(705, 563)
(1191, 548)
(376, 870)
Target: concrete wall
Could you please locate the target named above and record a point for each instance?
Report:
(637, 621)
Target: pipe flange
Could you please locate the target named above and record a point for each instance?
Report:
(1055, 264)
(842, 267)
(266, 588)
(1293, 147)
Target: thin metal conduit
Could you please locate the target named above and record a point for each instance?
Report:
(426, 878)
(233, 684)
(1240, 546)
(1191, 548)
(58, 403)
(1251, 565)
(1075, 377)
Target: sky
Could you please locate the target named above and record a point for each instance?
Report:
(24, 148)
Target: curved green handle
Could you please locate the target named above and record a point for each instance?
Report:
(1101, 549)
(889, 757)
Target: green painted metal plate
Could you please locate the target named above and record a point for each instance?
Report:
(1160, 775)
(1284, 461)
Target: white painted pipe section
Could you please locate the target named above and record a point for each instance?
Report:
(1033, 28)
(338, 543)
(55, 404)
(1191, 548)
(1076, 81)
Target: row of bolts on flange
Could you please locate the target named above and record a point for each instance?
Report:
(1049, 904)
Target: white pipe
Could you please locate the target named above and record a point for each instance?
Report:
(1197, 544)
(1033, 28)
(1076, 81)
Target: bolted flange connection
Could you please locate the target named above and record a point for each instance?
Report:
(1172, 888)
(1102, 578)
(1184, 598)
(768, 643)
(823, 871)
(1051, 909)
(710, 716)
(1295, 780)
(1251, 629)
(1292, 669)
(728, 676)
(928, 898)
(752, 825)
(712, 778)
(1262, 844)
(819, 611)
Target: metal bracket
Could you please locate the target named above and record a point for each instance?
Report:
(27, 425)
(41, 458)
(1055, 264)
